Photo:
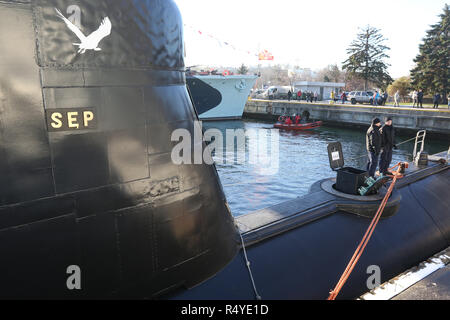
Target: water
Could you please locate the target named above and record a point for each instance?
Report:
(303, 160)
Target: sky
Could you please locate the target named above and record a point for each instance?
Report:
(310, 34)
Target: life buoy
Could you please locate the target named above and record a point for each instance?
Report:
(282, 119)
(226, 73)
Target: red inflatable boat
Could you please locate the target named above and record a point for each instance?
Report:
(300, 126)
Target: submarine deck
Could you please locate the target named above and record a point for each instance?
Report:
(291, 244)
(281, 217)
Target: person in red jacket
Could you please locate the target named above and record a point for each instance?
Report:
(297, 119)
(299, 95)
(288, 121)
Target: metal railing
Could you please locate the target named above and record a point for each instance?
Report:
(420, 139)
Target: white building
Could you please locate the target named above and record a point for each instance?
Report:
(324, 89)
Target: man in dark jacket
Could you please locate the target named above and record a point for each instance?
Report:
(420, 99)
(373, 145)
(436, 100)
(387, 144)
(343, 97)
(385, 98)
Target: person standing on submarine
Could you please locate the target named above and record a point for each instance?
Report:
(373, 146)
(387, 144)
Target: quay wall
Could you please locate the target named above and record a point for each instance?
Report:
(406, 119)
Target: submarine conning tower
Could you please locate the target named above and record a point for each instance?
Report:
(90, 92)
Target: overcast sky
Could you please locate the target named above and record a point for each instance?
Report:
(311, 34)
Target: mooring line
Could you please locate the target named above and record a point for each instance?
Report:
(365, 240)
(247, 263)
(399, 144)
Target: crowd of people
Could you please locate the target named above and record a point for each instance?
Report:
(309, 96)
(378, 99)
(416, 96)
(417, 99)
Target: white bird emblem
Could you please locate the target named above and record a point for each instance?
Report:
(90, 42)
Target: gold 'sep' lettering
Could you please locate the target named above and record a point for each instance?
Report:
(71, 119)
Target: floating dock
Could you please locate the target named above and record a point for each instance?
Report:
(430, 280)
(407, 119)
(434, 287)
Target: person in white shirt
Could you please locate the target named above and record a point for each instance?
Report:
(397, 99)
(414, 97)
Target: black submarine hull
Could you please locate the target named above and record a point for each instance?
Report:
(87, 180)
(298, 250)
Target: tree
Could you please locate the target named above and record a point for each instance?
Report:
(353, 83)
(242, 69)
(366, 58)
(432, 70)
(403, 85)
(331, 73)
(334, 73)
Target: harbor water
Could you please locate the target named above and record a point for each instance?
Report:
(302, 160)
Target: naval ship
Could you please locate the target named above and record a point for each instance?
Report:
(219, 96)
(92, 205)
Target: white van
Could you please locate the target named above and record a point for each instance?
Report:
(277, 92)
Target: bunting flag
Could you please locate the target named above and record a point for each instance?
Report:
(263, 55)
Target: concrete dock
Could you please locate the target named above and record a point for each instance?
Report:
(407, 119)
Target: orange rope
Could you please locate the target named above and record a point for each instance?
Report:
(359, 251)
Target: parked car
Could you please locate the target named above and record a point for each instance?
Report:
(360, 97)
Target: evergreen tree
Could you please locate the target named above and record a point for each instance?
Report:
(366, 58)
(242, 69)
(432, 70)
